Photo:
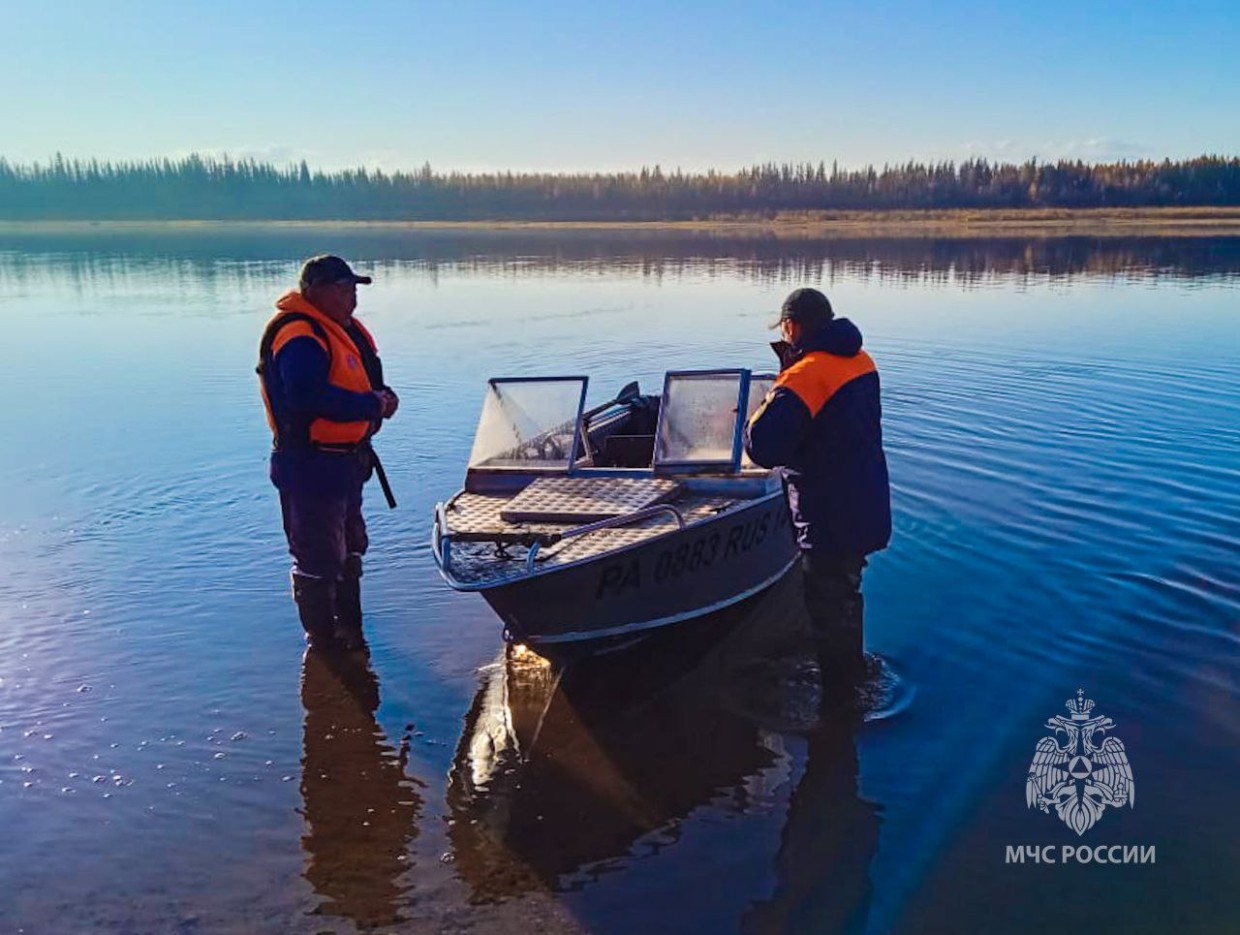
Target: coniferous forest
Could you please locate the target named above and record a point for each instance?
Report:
(208, 188)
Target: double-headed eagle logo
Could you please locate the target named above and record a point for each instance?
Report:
(1074, 773)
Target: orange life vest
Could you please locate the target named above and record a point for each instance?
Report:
(297, 318)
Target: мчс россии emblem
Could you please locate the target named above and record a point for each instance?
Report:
(1074, 772)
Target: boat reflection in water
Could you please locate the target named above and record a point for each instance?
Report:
(561, 774)
(361, 809)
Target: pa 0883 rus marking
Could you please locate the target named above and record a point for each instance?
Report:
(691, 555)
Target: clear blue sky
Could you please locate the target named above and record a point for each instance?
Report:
(532, 85)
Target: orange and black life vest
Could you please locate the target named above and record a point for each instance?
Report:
(353, 366)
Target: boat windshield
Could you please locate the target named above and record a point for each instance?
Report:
(529, 424)
(759, 385)
(699, 420)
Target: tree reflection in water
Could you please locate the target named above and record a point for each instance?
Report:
(361, 809)
(559, 775)
(189, 255)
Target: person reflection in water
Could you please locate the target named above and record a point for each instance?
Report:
(361, 809)
(822, 870)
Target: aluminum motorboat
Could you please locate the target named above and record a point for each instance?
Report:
(587, 528)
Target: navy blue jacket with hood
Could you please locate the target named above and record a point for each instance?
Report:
(822, 422)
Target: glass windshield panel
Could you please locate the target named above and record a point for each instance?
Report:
(528, 424)
(759, 385)
(697, 418)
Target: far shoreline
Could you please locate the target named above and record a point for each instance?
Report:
(1032, 223)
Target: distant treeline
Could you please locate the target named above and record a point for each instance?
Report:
(198, 187)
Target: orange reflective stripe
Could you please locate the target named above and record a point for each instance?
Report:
(294, 329)
(818, 376)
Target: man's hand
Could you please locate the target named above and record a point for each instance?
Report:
(783, 350)
(390, 402)
(385, 405)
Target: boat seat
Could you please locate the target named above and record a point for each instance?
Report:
(632, 451)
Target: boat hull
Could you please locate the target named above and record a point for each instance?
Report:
(618, 595)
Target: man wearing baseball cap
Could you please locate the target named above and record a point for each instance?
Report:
(322, 386)
(822, 423)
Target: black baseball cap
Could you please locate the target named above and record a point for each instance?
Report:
(326, 268)
(807, 307)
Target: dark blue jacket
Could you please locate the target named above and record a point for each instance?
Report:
(297, 385)
(822, 422)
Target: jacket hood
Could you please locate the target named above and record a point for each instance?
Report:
(838, 336)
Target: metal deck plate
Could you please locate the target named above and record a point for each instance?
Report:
(586, 499)
(474, 560)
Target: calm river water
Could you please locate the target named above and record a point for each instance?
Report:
(1063, 428)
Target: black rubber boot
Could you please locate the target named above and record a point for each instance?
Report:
(836, 610)
(841, 653)
(852, 638)
(348, 629)
(315, 599)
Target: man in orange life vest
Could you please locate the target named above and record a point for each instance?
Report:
(822, 422)
(323, 388)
